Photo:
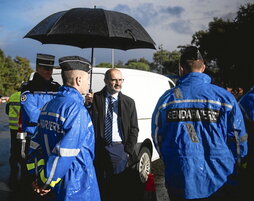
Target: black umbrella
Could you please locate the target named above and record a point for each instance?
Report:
(92, 28)
(89, 28)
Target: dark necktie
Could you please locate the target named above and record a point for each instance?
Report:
(108, 122)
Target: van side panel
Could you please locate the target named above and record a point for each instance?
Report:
(144, 87)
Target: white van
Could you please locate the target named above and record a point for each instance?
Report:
(145, 88)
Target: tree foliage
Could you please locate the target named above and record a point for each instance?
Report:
(166, 62)
(12, 73)
(140, 64)
(104, 65)
(229, 43)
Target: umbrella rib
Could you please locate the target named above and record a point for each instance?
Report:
(131, 34)
(107, 21)
(56, 22)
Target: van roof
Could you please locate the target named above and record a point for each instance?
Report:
(128, 71)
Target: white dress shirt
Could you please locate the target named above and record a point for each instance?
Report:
(115, 129)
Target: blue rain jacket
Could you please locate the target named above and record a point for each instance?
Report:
(198, 130)
(66, 136)
(31, 105)
(247, 105)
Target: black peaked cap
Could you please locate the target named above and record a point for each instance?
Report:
(45, 60)
(74, 63)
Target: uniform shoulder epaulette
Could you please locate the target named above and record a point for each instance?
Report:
(55, 83)
(25, 86)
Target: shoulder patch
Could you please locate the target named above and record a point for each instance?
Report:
(178, 93)
(23, 98)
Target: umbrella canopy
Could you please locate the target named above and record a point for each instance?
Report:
(92, 28)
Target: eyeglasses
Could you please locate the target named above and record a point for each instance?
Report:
(116, 80)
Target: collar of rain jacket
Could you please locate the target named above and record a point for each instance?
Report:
(39, 82)
(194, 77)
(38, 78)
(71, 92)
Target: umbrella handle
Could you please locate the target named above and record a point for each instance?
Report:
(91, 72)
(91, 79)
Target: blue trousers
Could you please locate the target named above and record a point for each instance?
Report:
(118, 157)
(110, 165)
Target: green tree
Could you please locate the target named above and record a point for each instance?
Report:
(140, 64)
(166, 62)
(172, 65)
(104, 65)
(119, 64)
(12, 73)
(24, 70)
(227, 42)
(160, 57)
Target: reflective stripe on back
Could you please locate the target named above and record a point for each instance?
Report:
(195, 101)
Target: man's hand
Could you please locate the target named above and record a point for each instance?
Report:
(39, 189)
(89, 98)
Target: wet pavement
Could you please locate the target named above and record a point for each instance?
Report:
(158, 171)
(4, 154)
(5, 191)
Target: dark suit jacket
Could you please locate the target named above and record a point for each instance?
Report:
(127, 118)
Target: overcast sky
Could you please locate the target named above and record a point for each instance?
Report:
(169, 22)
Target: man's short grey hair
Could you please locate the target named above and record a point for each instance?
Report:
(68, 77)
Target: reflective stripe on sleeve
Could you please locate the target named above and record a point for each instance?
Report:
(90, 124)
(156, 133)
(52, 172)
(43, 113)
(44, 180)
(46, 143)
(68, 152)
(238, 149)
(56, 115)
(31, 166)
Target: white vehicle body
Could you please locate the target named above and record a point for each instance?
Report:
(145, 88)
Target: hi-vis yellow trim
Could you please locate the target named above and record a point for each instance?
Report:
(31, 166)
(44, 179)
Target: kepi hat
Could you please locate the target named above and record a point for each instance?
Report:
(45, 60)
(74, 63)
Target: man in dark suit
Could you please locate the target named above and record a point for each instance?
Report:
(116, 134)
